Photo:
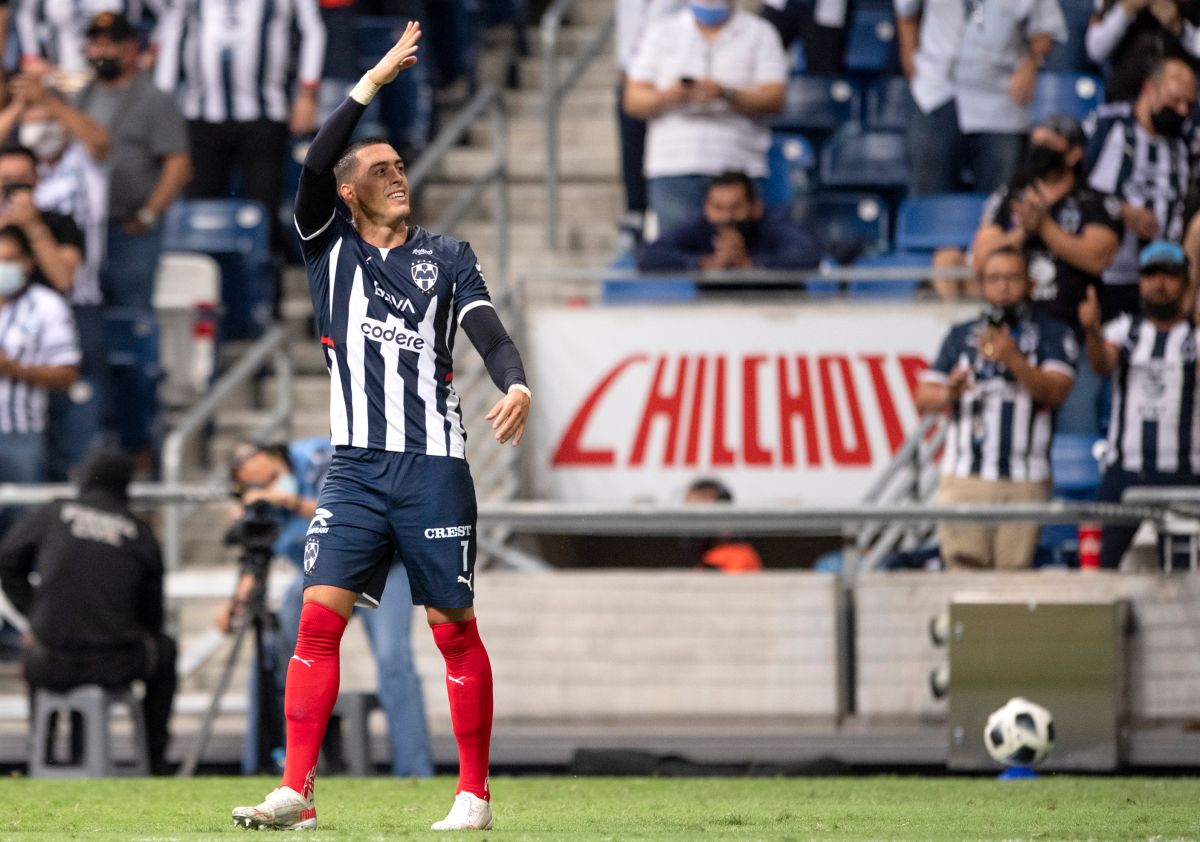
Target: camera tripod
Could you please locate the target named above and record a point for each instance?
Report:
(258, 618)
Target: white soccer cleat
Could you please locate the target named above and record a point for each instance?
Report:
(470, 812)
(283, 809)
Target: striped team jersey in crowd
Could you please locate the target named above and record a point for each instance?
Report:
(1154, 425)
(56, 29)
(36, 328)
(387, 319)
(996, 430)
(1124, 160)
(229, 60)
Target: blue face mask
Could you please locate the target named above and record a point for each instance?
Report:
(707, 15)
(12, 278)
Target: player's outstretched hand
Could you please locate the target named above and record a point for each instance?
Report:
(400, 57)
(509, 415)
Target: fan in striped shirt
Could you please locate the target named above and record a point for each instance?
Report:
(1154, 433)
(1002, 376)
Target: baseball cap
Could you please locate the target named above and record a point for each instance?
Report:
(1065, 126)
(113, 24)
(1162, 254)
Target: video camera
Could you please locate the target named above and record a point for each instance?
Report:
(255, 533)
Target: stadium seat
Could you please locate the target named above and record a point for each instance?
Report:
(932, 222)
(134, 372)
(234, 232)
(885, 288)
(187, 301)
(1075, 467)
(845, 225)
(645, 290)
(790, 164)
(857, 158)
(1075, 94)
(407, 103)
(819, 104)
(1072, 55)
(888, 105)
(871, 39)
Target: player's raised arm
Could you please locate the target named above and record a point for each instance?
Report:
(316, 198)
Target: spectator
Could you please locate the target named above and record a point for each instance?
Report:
(704, 79)
(632, 19)
(289, 480)
(1131, 35)
(819, 25)
(148, 160)
(230, 67)
(52, 32)
(1068, 233)
(733, 232)
(39, 352)
(1139, 153)
(57, 243)
(724, 553)
(972, 67)
(96, 611)
(1002, 376)
(1152, 436)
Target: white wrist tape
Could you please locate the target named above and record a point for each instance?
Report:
(521, 388)
(364, 91)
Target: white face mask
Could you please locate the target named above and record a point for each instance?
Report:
(12, 278)
(45, 137)
(288, 484)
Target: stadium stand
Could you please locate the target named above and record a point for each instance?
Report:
(932, 222)
(865, 159)
(819, 104)
(1074, 94)
(791, 162)
(871, 39)
(888, 104)
(846, 225)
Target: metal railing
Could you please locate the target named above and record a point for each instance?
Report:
(270, 349)
(555, 92)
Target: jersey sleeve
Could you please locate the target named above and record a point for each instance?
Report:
(996, 211)
(470, 288)
(1101, 209)
(947, 358)
(59, 342)
(1060, 351)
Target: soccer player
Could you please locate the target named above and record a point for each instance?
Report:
(388, 297)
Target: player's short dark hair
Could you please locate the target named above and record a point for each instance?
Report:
(733, 178)
(714, 487)
(345, 164)
(17, 235)
(1006, 251)
(17, 149)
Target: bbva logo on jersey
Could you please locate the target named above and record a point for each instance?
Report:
(425, 275)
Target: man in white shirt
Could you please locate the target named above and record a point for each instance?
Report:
(704, 79)
(972, 66)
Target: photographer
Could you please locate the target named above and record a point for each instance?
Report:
(279, 484)
(1002, 376)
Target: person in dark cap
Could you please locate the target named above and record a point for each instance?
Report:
(1151, 357)
(88, 577)
(1069, 234)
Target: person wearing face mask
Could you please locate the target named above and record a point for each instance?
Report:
(1129, 35)
(733, 232)
(52, 32)
(149, 159)
(1154, 434)
(289, 478)
(1002, 376)
(1140, 153)
(1068, 232)
(704, 79)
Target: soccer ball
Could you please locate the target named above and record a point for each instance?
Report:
(1021, 733)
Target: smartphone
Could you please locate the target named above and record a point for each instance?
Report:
(687, 81)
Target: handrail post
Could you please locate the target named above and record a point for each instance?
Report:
(551, 23)
(503, 207)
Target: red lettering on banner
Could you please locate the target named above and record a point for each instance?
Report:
(658, 403)
(887, 407)
(692, 456)
(797, 404)
(570, 450)
(753, 451)
(912, 368)
(721, 454)
(842, 454)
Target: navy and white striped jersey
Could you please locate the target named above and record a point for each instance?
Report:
(36, 328)
(387, 319)
(996, 429)
(1124, 160)
(1154, 424)
(56, 29)
(228, 60)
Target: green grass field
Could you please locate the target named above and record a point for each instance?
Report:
(619, 809)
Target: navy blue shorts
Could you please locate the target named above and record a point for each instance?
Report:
(375, 505)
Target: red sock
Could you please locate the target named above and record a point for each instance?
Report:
(312, 688)
(469, 685)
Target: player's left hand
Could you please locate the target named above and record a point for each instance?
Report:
(509, 415)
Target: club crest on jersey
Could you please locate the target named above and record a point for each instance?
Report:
(311, 549)
(425, 275)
